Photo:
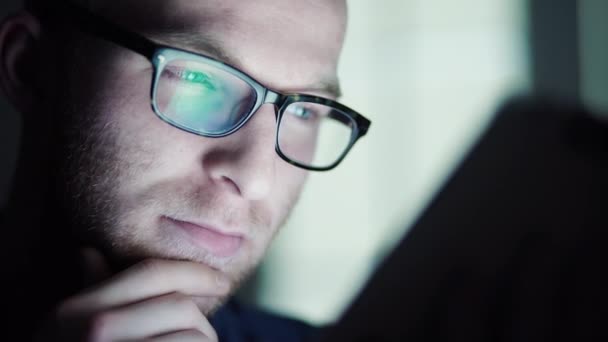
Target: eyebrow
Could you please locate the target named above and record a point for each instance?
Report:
(329, 86)
(208, 45)
(197, 43)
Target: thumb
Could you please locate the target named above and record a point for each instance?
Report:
(95, 268)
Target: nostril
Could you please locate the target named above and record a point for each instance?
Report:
(229, 183)
(219, 166)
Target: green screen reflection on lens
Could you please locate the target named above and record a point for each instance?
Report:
(199, 101)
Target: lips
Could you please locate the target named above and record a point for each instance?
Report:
(214, 241)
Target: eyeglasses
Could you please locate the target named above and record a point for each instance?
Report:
(207, 97)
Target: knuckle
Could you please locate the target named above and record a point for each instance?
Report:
(179, 300)
(73, 305)
(191, 314)
(190, 310)
(66, 308)
(98, 326)
(211, 335)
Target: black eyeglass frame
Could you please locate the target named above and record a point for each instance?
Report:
(155, 53)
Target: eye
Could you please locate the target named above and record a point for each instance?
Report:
(300, 111)
(197, 77)
(191, 77)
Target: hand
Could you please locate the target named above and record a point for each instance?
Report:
(151, 301)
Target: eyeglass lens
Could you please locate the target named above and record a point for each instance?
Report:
(314, 134)
(211, 101)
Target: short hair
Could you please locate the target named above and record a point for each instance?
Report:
(49, 10)
(44, 6)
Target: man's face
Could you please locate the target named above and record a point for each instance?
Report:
(143, 188)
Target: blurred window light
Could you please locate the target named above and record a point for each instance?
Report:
(429, 74)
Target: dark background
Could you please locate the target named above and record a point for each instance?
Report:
(9, 126)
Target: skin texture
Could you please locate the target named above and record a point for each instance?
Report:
(122, 173)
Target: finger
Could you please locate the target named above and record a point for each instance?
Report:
(184, 336)
(95, 267)
(152, 317)
(152, 278)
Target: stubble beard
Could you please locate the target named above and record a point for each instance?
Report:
(96, 166)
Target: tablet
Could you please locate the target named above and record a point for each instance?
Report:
(512, 248)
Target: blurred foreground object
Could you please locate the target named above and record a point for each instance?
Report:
(513, 248)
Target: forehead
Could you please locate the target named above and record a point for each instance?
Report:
(192, 12)
(264, 36)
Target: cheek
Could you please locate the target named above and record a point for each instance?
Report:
(151, 153)
(144, 153)
(146, 143)
(288, 185)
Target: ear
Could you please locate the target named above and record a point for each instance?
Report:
(19, 40)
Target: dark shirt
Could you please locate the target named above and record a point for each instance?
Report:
(236, 322)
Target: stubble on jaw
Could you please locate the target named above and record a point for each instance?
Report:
(95, 166)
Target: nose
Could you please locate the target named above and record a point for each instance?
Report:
(244, 162)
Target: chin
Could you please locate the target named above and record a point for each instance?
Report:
(128, 250)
